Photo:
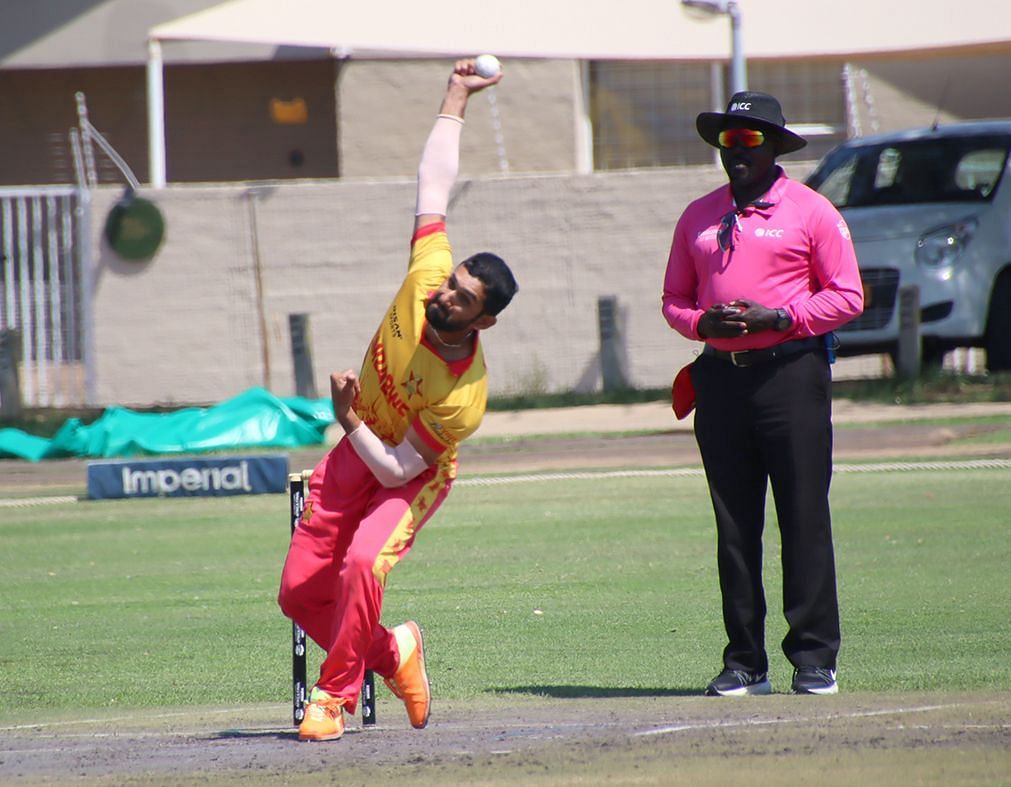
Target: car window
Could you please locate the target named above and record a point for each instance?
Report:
(838, 181)
(936, 169)
(887, 169)
(980, 170)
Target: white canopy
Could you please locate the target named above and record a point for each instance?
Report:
(580, 30)
(596, 29)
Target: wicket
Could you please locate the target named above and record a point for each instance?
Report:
(298, 488)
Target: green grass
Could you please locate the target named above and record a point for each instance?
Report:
(960, 420)
(932, 386)
(594, 587)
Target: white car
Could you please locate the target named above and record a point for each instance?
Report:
(931, 208)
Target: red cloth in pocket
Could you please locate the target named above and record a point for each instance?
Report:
(683, 393)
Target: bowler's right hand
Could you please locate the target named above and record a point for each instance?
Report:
(465, 74)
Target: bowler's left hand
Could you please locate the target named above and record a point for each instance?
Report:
(344, 387)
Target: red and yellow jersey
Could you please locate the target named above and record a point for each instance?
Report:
(404, 380)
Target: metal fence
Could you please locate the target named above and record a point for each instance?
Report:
(44, 293)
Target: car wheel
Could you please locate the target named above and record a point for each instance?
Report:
(998, 325)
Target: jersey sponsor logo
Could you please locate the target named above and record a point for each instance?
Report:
(761, 232)
(395, 324)
(844, 230)
(387, 385)
(442, 433)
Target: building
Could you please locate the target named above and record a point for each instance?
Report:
(258, 108)
(285, 163)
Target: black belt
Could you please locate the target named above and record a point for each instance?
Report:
(752, 357)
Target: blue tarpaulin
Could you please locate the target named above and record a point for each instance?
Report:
(254, 418)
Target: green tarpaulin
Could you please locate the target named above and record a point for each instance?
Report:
(254, 418)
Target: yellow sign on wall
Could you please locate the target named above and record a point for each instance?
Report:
(289, 113)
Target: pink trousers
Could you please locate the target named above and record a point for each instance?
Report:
(353, 531)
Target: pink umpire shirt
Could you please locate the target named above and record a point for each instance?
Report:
(796, 254)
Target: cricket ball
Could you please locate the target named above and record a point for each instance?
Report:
(487, 66)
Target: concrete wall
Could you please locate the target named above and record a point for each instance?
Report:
(386, 111)
(208, 316)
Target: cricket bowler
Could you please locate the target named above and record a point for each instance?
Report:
(421, 390)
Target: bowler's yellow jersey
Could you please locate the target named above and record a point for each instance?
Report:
(404, 380)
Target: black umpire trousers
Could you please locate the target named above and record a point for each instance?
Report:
(756, 425)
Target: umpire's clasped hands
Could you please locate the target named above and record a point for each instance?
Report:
(740, 317)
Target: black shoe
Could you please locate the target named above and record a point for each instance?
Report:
(738, 683)
(814, 680)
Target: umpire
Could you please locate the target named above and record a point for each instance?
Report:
(763, 270)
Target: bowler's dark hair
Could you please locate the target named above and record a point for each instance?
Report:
(498, 281)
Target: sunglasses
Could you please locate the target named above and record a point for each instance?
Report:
(745, 137)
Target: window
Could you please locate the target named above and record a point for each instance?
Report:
(887, 169)
(643, 113)
(813, 98)
(980, 170)
(836, 186)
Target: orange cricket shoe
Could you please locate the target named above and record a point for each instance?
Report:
(324, 717)
(410, 683)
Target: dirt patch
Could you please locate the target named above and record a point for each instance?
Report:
(541, 740)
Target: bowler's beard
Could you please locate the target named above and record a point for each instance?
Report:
(438, 320)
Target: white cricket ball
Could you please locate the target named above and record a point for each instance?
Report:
(487, 66)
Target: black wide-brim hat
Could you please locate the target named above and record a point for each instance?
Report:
(761, 111)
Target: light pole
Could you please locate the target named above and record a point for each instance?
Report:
(738, 69)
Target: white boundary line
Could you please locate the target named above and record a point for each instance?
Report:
(31, 502)
(963, 464)
(579, 475)
(677, 472)
(882, 467)
(140, 717)
(712, 725)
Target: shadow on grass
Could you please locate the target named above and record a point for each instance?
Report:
(594, 692)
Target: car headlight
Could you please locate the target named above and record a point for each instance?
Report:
(942, 246)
